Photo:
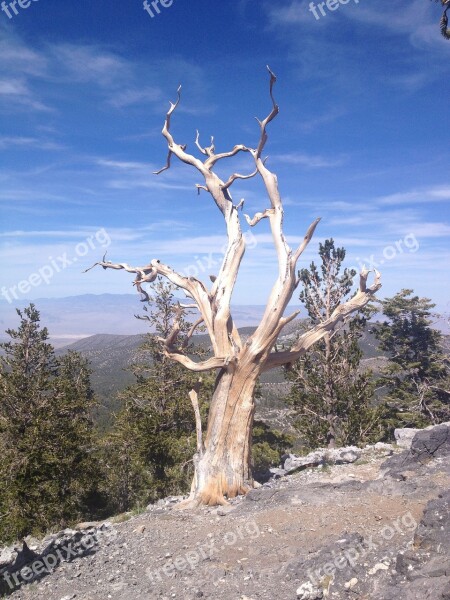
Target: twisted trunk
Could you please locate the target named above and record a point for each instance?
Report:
(223, 466)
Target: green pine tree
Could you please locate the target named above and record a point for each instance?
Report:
(331, 394)
(416, 378)
(47, 472)
(148, 454)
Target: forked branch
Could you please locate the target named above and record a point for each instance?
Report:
(357, 302)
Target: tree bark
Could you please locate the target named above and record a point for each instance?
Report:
(223, 470)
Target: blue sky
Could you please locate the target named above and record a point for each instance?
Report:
(361, 139)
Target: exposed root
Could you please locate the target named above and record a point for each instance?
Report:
(213, 495)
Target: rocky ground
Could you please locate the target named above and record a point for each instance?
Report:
(378, 528)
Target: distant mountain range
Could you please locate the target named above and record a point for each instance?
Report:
(111, 356)
(103, 328)
(77, 317)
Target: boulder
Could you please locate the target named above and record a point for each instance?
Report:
(427, 444)
(433, 532)
(404, 437)
(323, 456)
(433, 442)
(423, 571)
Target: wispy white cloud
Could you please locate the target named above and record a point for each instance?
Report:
(310, 123)
(124, 165)
(90, 64)
(310, 161)
(118, 233)
(15, 94)
(20, 59)
(294, 13)
(28, 142)
(135, 175)
(135, 96)
(435, 194)
(119, 80)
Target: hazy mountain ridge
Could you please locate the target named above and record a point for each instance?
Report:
(111, 357)
(77, 317)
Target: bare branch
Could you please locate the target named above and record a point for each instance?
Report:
(358, 301)
(258, 217)
(213, 159)
(193, 395)
(178, 149)
(166, 166)
(173, 107)
(274, 112)
(197, 143)
(207, 365)
(207, 151)
(306, 240)
(235, 176)
(271, 340)
(193, 287)
(146, 274)
(443, 23)
(192, 331)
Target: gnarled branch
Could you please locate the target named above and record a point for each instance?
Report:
(358, 301)
(235, 176)
(259, 216)
(198, 367)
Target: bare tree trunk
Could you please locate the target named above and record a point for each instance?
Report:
(224, 469)
(331, 434)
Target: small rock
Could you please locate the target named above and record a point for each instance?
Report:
(223, 511)
(378, 567)
(139, 529)
(87, 525)
(308, 591)
(349, 585)
(7, 556)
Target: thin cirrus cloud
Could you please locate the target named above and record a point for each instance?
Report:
(435, 194)
(134, 175)
(26, 72)
(28, 142)
(15, 95)
(310, 161)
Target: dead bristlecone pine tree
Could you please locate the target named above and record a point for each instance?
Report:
(223, 459)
